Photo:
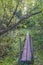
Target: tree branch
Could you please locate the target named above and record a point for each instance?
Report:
(20, 21)
(13, 14)
(34, 8)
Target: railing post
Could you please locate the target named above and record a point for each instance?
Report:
(32, 50)
(20, 49)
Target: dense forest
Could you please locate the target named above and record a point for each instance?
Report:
(17, 17)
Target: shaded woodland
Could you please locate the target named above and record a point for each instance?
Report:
(17, 17)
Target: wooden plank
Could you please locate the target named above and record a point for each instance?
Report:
(26, 55)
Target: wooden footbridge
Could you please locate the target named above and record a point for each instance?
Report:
(27, 55)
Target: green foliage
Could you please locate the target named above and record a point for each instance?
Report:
(34, 26)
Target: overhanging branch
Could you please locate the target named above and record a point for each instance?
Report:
(13, 14)
(21, 20)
